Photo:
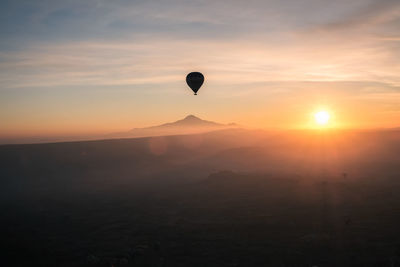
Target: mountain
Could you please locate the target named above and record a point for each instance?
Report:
(191, 121)
(188, 125)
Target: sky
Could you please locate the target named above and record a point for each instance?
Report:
(78, 67)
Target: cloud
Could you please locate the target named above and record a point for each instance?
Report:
(156, 42)
(152, 60)
(372, 14)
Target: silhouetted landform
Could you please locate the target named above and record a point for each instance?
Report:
(189, 125)
(225, 198)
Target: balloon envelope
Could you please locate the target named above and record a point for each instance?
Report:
(195, 81)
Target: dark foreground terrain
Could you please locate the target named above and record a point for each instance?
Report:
(226, 198)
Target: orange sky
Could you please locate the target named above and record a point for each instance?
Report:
(267, 64)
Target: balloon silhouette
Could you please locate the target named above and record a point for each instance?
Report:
(195, 81)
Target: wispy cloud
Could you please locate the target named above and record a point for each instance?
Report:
(247, 48)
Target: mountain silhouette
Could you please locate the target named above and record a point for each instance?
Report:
(191, 121)
(188, 125)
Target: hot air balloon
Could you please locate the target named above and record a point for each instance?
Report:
(195, 81)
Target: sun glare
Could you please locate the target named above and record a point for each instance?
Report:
(322, 117)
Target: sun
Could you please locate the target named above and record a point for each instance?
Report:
(322, 117)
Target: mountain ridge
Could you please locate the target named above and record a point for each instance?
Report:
(188, 125)
(189, 120)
